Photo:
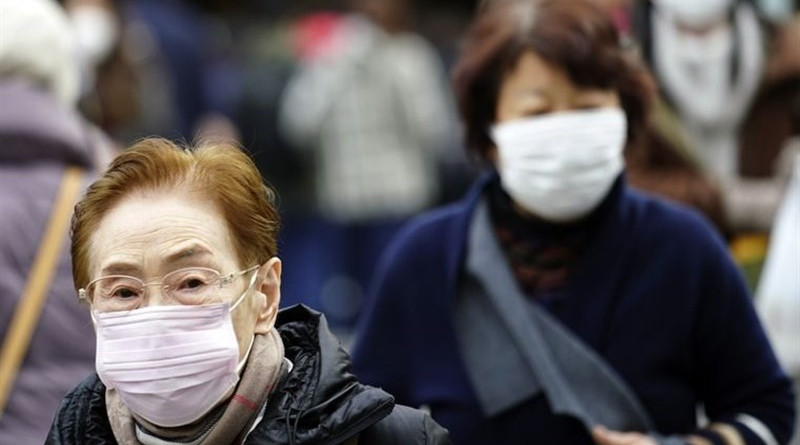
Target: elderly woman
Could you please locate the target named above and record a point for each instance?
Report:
(555, 304)
(175, 253)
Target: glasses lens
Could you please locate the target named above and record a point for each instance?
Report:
(192, 286)
(116, 293)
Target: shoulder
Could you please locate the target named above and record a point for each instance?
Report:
(89, 392)
(436, 231)
(405, 426)
(667, 223)
(82, 415)
(415, 51)
(425, 249)
(431, 225)
(425, 256)
(668, 240)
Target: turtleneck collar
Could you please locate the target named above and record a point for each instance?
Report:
(503, 209)
(542, 254)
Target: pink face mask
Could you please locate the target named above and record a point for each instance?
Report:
(169, 364)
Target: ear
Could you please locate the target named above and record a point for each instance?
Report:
(269, 277)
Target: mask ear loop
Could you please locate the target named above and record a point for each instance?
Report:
(240, 365)
(249, 287)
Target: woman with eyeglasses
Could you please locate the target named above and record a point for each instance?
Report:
(174, 251)
(555, 304)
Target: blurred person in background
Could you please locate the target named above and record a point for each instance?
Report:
(42, 137)
(709, 58)
(659, 162)
(777, 11)
(110, 81)
(555, 303)
(156, 67)
(713, 60)
(172, 42)
(369, 102)
(174, 249)
(97, 32)
(766, 149)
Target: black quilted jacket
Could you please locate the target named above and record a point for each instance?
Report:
(320, 402)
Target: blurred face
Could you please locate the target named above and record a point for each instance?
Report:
(536, 87)
(149, 236)
(558, 146)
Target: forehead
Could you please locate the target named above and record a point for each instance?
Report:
(152, 232)
(535, 84)
(533, 71)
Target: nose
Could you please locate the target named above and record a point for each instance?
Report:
(155, 295)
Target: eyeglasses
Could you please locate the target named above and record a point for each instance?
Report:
(188, 286)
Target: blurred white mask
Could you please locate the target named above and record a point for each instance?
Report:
(560, 166)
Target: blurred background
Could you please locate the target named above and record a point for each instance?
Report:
(345, 106)
(347, 110)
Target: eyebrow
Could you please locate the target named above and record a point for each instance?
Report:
(119, 268)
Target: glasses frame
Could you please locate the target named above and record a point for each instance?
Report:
(223, 280)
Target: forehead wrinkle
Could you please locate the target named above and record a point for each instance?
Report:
(183, 249)
(120, 265)
(117, 255)
(169, 229)
(153, 242)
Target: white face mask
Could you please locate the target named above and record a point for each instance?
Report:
(561, 165)
(170, 364)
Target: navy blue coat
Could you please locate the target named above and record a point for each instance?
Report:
(655, 293)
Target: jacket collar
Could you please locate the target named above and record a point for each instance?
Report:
(320, 400)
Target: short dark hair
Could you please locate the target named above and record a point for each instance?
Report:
(578, 35)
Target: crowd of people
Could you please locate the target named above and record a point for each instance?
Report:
(530, 221)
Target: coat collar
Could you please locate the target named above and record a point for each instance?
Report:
(320, 401)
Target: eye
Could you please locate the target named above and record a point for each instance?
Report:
(190, 281)
(593, 99)
(118, 287)
(534, 111)
(124, 292)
